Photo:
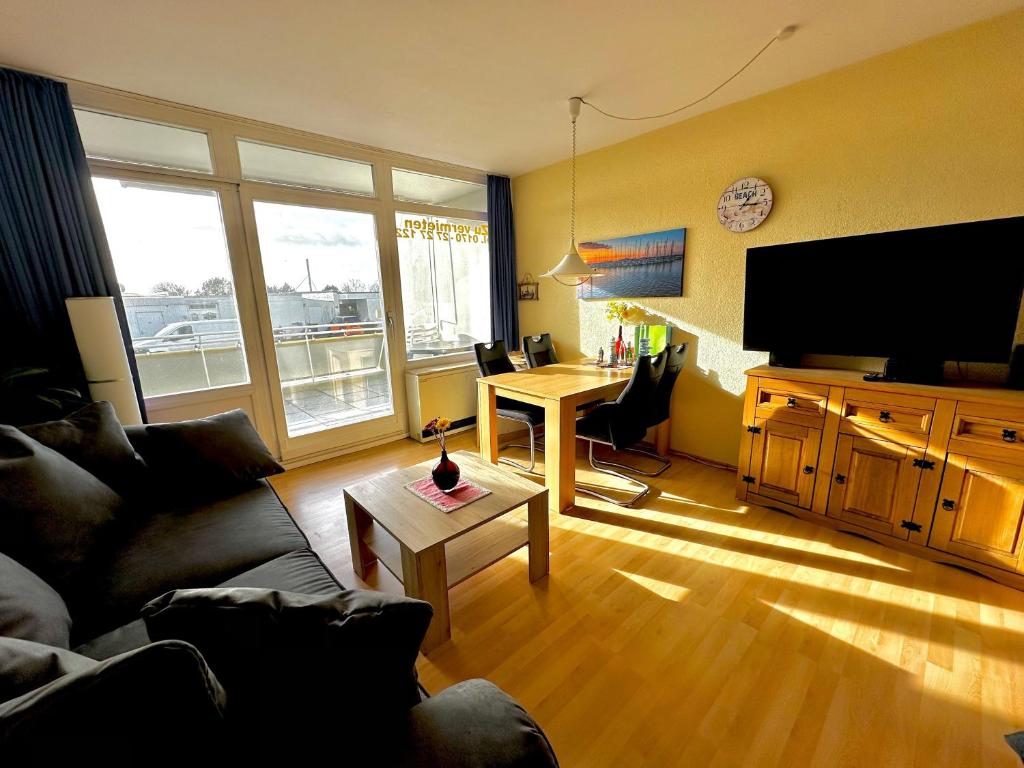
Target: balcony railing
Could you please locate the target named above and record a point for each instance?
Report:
(305, 354)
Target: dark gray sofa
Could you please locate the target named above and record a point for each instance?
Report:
(247, 539)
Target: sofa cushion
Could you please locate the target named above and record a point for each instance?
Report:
(94, 439)
(122, 639)
(217, 453)
(276, 650)
(198, 546)
(54, 515)
(30, 608)
(473, 724)
(159, 704)
(301, 572)
(25, 665)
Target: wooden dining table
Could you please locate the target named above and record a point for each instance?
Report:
(558, 389)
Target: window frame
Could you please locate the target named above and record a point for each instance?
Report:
(452, 358)
(223, 132)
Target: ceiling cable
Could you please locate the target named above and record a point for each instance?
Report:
(782, 34)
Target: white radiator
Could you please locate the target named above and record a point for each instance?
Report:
(448, 391)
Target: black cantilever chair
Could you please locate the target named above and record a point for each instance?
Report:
(673, 359)
(540, 351)
(623, 423)
(492, 359)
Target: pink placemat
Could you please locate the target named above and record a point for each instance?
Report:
(466, 492)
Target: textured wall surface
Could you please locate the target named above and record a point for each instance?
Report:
(926, 135)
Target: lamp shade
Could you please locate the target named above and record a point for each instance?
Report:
(98, 335)
(104, 360)
(572, 266)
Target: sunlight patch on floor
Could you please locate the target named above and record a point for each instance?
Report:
(661, 588)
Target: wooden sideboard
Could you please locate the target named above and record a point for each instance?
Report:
(936, 470)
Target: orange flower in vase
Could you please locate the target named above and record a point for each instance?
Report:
(446, 473)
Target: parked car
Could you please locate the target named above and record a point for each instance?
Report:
(190, 335)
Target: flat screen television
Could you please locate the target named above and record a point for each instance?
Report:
(938, 293)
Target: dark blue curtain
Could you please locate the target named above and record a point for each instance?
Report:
(502, 240)
(52, 244)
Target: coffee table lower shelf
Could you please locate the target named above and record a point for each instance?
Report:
(464, 556)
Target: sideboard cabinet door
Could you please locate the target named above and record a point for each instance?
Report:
(784, 461)
(874, 484)
(980, 511)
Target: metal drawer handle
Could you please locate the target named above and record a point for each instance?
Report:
(840, 479)
(808, 470)
(884, 416)
(948, 505)
(791, 402)
(1010, 435)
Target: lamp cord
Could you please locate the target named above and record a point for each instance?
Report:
(572, 208)
(707, 95)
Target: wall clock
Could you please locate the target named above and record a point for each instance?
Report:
(745, 204)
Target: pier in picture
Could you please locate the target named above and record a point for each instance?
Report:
(635, 266)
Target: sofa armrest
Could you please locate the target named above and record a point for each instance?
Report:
(474, 724)
(159, 701)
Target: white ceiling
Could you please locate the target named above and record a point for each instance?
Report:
(475, 82)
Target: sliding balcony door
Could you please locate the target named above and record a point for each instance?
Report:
(178, 248)
(326, 317)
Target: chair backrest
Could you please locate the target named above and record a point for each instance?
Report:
(675, 357)
(633, 407)
(492, 358)
(539, 350)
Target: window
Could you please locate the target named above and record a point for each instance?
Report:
(446, 283)
(322, 271)
(172, 264)
(108, 137)
(264, 162)
(415, 187)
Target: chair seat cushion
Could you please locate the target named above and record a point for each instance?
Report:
(197, 546)
(507, 408)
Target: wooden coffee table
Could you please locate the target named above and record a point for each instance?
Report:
(431, 551)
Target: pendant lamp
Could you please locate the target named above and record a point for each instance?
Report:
(572, 270)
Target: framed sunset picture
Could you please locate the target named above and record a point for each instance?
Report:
(635, 266)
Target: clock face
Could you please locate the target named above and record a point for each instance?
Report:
(745, 204)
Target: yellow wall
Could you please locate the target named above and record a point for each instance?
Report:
(926, 135)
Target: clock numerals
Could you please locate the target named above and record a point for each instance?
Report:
(745, 204)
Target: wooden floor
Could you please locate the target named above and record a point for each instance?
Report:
(698, 631)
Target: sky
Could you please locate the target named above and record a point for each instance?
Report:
(158, 234)
(670, 241)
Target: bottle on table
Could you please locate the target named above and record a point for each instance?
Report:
(620, 347)
(612, 357)
(645, 340)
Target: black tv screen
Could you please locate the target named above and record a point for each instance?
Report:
(951, 293)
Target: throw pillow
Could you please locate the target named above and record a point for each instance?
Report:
(159, 703)
(53, 514)
(25, 665)
(29, 607)
(280, 655)
(213, 454)
(94, 439)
